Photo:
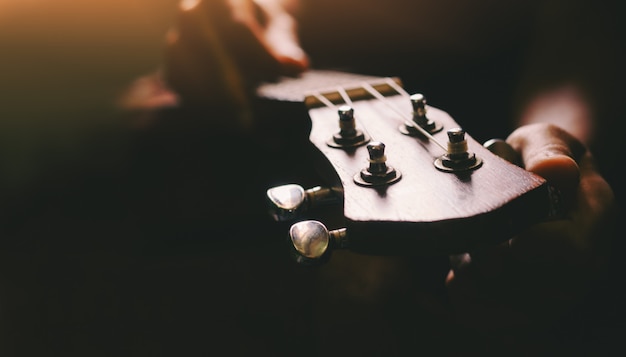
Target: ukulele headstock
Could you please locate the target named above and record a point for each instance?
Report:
(409, 180)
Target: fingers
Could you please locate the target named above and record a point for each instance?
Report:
(551, 153)
(277, 33)
(561, 159)
(197, 66)
(222, 49)
(595, 202)
(546, 269)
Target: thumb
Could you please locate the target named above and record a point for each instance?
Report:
(551, 153)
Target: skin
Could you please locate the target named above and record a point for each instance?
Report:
(537, 276)
(202, 58)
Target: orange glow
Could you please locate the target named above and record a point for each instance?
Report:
(69, 39)
(189, 4)
(62, 65)
(62, 62)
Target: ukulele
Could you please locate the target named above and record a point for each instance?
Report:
(407, 178)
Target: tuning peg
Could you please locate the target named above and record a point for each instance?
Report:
(458, 158)
(504, 150)
(418, 102)
(348, 136)
(288, 201)
(313, 243)
(378, 172)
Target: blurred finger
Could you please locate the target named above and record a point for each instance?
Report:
(551, 153)
(222, 49)
(198, 66)
(280, 38)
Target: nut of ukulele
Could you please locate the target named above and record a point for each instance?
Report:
(287, 202)
(313, 242)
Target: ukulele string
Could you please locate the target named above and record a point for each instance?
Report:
(390, 82)
(406, 116)
(324, 100)
(346, 98)
(344, 95)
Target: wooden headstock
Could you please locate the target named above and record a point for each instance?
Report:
(409, 180)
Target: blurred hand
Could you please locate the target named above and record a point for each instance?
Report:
(223, 48)
(531, 280)
(215, 57)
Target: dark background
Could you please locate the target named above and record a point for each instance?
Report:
(118, 240)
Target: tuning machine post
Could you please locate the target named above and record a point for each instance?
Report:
(287, 202)
(418, 102)
(458, 158)
(349, 135)
(377, 172)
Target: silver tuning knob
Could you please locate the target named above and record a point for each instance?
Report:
(289, 201)
(312, 242)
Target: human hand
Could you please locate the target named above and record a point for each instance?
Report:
(223, 48)
(533, 279)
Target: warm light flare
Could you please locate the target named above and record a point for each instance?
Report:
(189, 4)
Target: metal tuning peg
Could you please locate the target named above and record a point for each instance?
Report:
(504, 150)
(348, 136)
(289, 201)
(378, 172)
(313, 243)
(458, 158)
(418, 102)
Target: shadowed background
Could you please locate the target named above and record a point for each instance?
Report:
(102, 226)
